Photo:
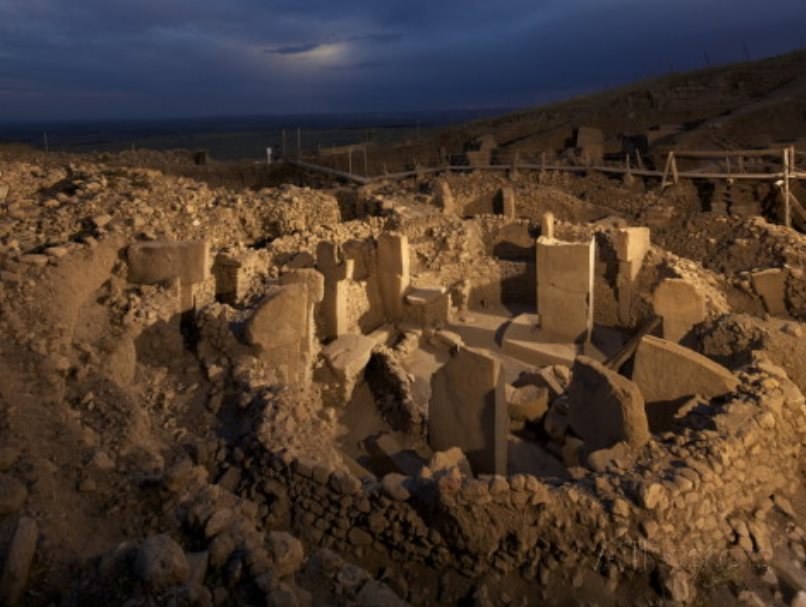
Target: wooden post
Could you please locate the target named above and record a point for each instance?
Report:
(628, 179)
(675, 174)
(350, 161)
(366, 170)
(787, 210)
(639, 159)
(284, 150)
(45, 139)
(666, 171)
(299, 142)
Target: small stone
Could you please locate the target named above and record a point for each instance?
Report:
(8, 457)
(161, 563)
(286, 552)
(651, 495)
(12, 495)
(394, 485)
(220, 520)
(18, 560)
(100, 221)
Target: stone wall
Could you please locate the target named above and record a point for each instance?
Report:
(677, 501)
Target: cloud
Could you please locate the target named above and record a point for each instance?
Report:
(294, 50)
(176, 57)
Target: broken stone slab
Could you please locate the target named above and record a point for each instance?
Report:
(18, 561)
(527, 403)
(632, 244)
(665, 371)
(158, 261)
(468, 410)
(681, 306)
(605, 408)
(348, 355)
(771, 287)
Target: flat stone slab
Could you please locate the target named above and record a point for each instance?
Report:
(525, 341)
(420, 296)
(160, 260)
(468, 410)
(665, 371)
(349, 354)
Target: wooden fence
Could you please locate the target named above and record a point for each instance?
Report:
(782, 171)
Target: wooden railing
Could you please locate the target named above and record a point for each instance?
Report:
(782, 172)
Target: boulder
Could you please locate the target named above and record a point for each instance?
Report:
(604, 407)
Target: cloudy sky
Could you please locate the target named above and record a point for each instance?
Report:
(66, 59)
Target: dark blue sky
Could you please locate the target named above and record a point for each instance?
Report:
(64, 59)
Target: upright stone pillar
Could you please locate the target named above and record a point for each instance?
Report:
(393, 272)
(565, 289)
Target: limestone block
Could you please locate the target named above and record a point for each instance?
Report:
(468, 410)
(348, 355)
(771, 287)
(589, 136)
(680, 305)
(280, 317)
(157, 261)
(393, 253)
(507, 196)
(632, 244)
(605, 408)
(313, 280)
(328, 256)
(565, 289)
(335, 309)
(444, 197)
(393, 272)
(281, 329)
(547, 225)
(665, 371)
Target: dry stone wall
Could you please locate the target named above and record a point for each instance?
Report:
(677, 501)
